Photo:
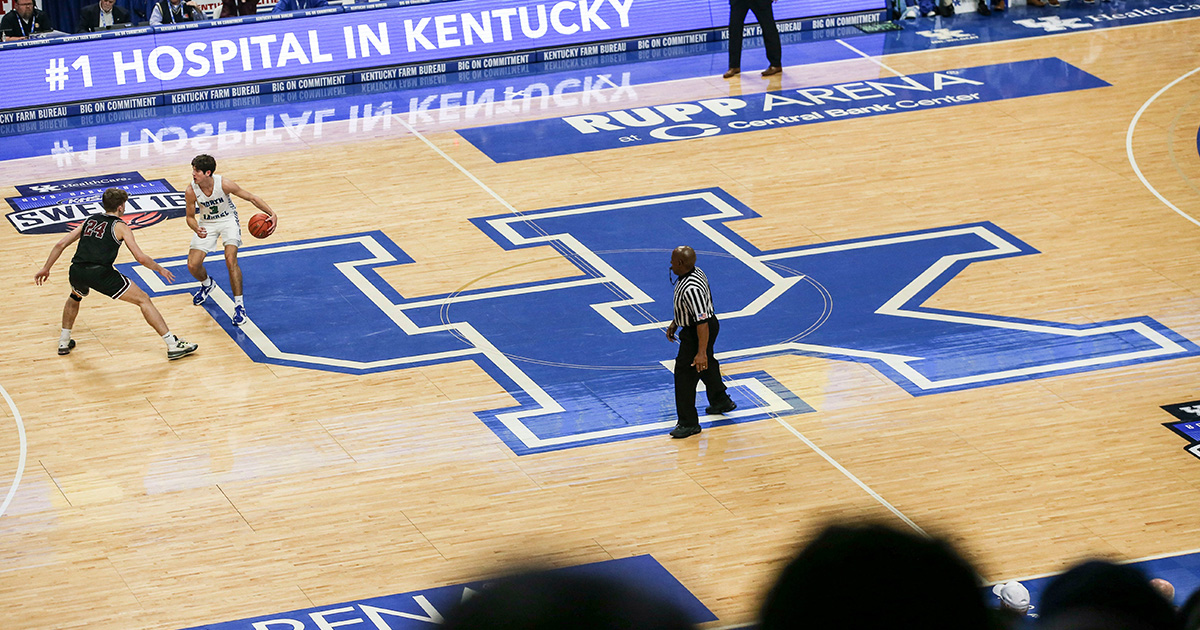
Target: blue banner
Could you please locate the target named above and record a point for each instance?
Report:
(79, 184)
(190, 58)
(710, 117)
(424, 609)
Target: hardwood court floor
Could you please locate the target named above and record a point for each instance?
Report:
(167, 495)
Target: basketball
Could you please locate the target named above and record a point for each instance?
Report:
(261, 225)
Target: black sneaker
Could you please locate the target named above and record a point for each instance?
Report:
(681, 431)
(67, 348)
(984, 9)
(725, 407)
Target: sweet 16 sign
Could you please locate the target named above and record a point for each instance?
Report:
(186, 59)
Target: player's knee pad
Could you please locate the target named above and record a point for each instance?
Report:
(75, 296)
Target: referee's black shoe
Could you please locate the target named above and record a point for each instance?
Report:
(681, 431)
(725, 407)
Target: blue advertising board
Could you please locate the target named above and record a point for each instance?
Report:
(167, 59)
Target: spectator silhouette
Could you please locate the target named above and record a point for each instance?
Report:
(871, 577)
(1189, 613)
(552, 601)
(1098, 595)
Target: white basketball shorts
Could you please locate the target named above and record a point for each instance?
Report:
(227, 232)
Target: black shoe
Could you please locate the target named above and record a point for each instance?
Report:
(945, 10)
(681, 431)
(984, 9)
(67, 348)
(725, 407)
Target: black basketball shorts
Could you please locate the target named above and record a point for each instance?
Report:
(106, 280)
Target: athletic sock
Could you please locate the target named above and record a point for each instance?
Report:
(237, 301)
(64, 337)
(207, 282)
(170, 339)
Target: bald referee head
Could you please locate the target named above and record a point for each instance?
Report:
(683, 260)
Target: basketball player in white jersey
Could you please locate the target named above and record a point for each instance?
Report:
(212, 216)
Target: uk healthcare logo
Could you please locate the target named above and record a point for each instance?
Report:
(947, 35)
(1053, 24)
(584, 357)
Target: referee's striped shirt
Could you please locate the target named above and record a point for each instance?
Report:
(693, 300)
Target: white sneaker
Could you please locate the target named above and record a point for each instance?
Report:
(910, 13)
(181, 349)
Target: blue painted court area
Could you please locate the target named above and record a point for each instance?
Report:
(1182, 571)
(425, 609)
(422, 609)
(773, 110)
(586, 358)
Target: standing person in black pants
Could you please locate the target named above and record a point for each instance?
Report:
(766, 19)
(696, 321)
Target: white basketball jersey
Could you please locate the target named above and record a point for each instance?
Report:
(215, 208)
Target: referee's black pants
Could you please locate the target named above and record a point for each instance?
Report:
(766, 19)
(686, 375)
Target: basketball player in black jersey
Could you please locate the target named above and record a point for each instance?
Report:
(100, 237)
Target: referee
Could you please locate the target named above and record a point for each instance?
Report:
(697, 324)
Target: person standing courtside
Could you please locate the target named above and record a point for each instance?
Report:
(770, 32)
(217, 219)
(100, 237)
(696, 321)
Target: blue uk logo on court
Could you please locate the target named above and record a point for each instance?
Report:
(583, 356)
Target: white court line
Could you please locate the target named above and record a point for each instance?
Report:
(870, 58)
(1128, 135)
(1129, 146)
(12, 491)
(849, 475)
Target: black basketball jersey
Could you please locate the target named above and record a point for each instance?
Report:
(98, 244)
